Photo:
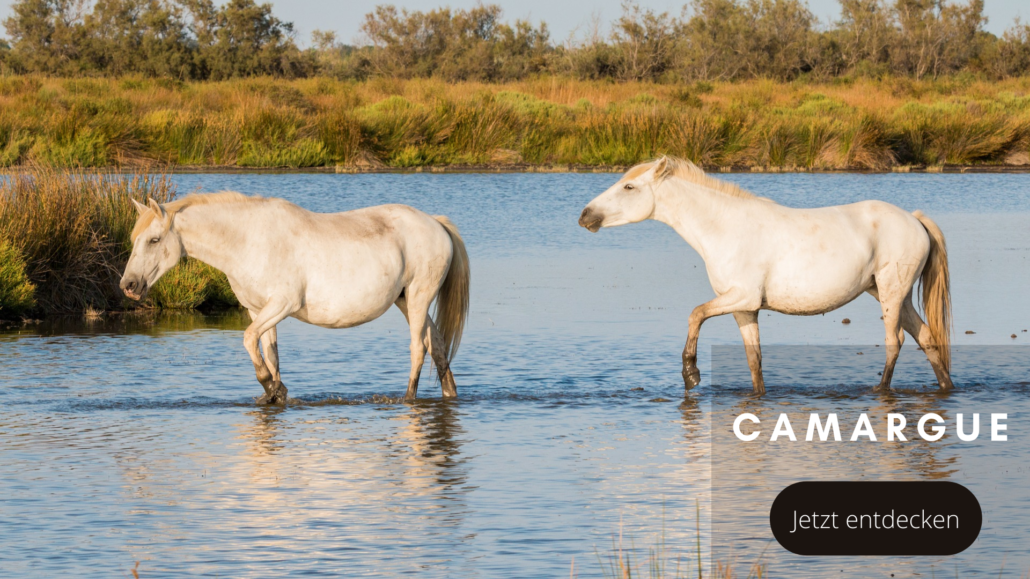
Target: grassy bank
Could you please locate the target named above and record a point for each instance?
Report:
(384, 122)
(64, 241)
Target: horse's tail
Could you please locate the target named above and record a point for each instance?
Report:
(936, 285)
(452, 303)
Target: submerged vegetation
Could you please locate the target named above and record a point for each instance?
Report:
(64, 240)
(545, 122)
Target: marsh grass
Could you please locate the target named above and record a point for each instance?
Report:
(624, 561)
(65, 241)
(17, 294)
(546, 121)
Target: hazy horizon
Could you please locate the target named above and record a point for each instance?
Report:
(563, 19)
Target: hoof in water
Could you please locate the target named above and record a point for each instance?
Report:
(276, 397)
(691, 377)
(450, 389)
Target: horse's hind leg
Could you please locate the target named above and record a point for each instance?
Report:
(435, 344)
(914, 325)
(416, 313)
(890, 304)
(748, 323)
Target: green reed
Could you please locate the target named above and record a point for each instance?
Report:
(64, 241)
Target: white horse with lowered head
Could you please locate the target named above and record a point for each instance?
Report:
(333, 270)
(764, 256)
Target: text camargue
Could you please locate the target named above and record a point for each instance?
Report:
(930, 427)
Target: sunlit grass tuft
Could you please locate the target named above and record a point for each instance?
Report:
(66, 241)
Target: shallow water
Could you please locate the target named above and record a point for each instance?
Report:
(136, 439)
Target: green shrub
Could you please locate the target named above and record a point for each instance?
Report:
(72, 230)
(69, 242)
(17, 294)
(192, 285)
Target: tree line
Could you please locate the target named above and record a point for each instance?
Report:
(710, 40)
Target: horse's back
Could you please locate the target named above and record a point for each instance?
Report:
(820, 257)
(350, 267)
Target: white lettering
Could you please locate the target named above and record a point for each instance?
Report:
(815, 424)
(937, 429)
(895, 424)
(863, 428)
(783, 428)
(736, 427)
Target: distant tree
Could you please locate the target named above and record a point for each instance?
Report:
(935, 37)
(181, 38)
(645, 41)
(139, 36)
(1007, 56)
(710, 40)
(724, 39)
(865, 32)
(468, 44)
(46, 36)
(713, 37)
(243, 38)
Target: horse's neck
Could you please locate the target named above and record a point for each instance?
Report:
(702, 217)
(212, 234)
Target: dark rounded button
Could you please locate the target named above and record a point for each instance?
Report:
(876, 518)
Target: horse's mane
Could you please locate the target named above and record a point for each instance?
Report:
(190, 200)
(684, 169)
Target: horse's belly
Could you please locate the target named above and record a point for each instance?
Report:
(812, 299)
(346, 308)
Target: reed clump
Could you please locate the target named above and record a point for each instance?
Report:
(844, 124)
(64, 241)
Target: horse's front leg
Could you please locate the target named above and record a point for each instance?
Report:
(264, 322)
(733, 301)
(748, 324)
(275, 392)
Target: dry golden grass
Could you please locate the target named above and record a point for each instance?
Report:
(547, 121)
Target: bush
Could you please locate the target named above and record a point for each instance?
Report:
(16, 291)
(193, 285)
(68, 236)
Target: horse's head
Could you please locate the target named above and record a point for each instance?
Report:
(630, 200)
(156, 248)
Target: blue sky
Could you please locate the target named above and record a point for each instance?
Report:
(563, 17)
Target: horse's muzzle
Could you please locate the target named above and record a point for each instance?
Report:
(590, 220)
(134, 289)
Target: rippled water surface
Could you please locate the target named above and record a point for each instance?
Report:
(135, 438)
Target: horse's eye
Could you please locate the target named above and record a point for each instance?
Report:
(155, 239)
(629, 187)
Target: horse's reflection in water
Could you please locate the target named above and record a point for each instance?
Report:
(413, 462)
(429, 443)
(264, 434)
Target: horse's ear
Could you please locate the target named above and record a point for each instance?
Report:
(157, 208)
(661, 168)
(140, 208)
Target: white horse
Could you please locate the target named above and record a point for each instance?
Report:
(333, 270)
(764, 256)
